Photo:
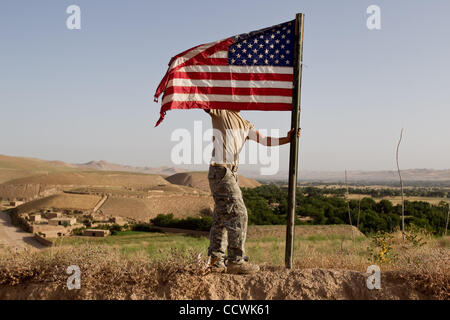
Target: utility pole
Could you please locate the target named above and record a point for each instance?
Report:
(295, 124)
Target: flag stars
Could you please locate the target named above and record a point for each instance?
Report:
(270, 47)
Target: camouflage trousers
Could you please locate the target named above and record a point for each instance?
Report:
(229, 226)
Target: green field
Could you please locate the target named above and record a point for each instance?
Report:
(312, 250)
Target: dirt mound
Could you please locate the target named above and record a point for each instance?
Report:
(108, 274)
(199, 180)
(307, 284)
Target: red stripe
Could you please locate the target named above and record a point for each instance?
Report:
(226, 105)
(213, 62)
(230, 91)
(231, 76)
(203, 56)
(200, 58)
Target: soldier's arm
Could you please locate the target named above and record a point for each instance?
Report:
(257, 136)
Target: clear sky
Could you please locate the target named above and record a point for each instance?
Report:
(80, 95)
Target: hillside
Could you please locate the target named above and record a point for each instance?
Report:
(18, 167)
(42, 185)
(199, 180)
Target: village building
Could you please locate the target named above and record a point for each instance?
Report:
(52, 233)
(62, 221)
(35, 217)
(51, 215)
(96, 233)
(15, 203)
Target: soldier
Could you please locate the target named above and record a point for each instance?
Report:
(229, 226)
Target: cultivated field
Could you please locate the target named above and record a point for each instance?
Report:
(398, 199)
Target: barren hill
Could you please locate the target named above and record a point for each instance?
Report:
(199, 180)
(92, 178)
(42, 185)
(18, 167)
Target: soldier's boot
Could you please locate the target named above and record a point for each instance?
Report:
(242, 268)
(217, 266)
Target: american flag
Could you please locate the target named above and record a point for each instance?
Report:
(251, 71)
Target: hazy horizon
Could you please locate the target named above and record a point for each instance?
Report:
(80, 95)
(247, 168)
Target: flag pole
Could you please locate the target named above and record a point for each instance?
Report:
(295, 124)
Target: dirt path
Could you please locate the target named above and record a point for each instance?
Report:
(100, 203)
(12, 236)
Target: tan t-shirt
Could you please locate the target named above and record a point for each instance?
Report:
(230, 131)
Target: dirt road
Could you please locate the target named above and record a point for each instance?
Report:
(12, 236)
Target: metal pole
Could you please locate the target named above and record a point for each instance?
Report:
(295, 124)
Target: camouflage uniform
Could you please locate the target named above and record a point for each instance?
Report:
(229, 217)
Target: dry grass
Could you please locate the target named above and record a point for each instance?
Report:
(155, 266)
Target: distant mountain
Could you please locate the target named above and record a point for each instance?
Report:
(18, 167)
(413, 175)
(108, 166)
